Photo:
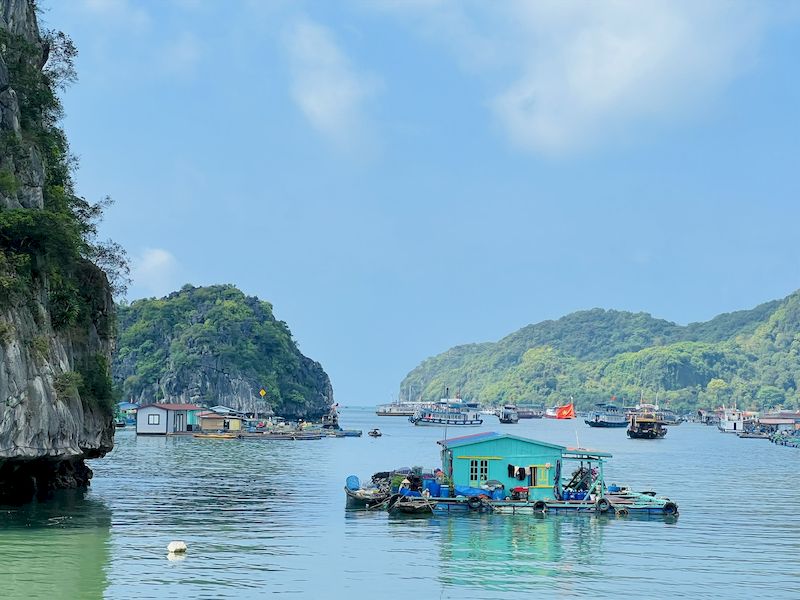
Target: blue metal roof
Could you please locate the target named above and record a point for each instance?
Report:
(466, 440)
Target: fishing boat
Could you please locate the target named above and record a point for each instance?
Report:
(375, 433)
(364, 497)
(508, 414)
(452, 412)
(670, 418)
(646, 424)
(606, 415)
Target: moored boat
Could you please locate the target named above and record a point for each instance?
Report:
(530, 412)
(508, 414)
(451, 412)
(646, 424)
(606, 415)
(364, 497)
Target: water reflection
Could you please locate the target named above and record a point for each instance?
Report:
(56, 549)
(519, 552)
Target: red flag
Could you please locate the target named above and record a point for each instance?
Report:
(565, 412)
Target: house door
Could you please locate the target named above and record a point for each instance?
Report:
(180, 421)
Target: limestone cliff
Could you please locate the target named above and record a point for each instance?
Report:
(56, 310)
(215, 345)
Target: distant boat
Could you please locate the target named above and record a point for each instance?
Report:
(560, 412)
(508, 414)
(733, 420)
(375, 433)
(646, 424)
(606, 415)
(530, 412)
(398, 409)
(448, 411)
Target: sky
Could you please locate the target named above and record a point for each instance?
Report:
(399, 177)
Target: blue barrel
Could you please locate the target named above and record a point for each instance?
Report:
(352, 483)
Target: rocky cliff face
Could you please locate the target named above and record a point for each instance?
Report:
(54, 411)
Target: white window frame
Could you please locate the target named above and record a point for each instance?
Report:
(154, 419)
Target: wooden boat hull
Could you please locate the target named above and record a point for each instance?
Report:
(647, 434)
(359, 499)
(605, 424)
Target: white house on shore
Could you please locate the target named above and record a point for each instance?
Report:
(163, 419)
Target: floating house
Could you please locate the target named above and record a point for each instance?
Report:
(474, 460)
(126, 411)
(214, 421)
(165, 419)
(508, 474)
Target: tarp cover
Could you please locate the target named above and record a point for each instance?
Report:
(409, 493)
(465, 490)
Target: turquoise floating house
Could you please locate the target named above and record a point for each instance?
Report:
(472, 460)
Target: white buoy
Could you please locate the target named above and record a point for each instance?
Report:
(176, 547)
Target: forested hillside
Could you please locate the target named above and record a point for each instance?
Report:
(751, 357)
(215, 345)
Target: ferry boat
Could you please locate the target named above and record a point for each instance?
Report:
(508, 414)
(398, 409)
(448, 411)
(606, 415)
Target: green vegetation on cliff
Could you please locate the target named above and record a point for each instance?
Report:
(52, 266)
(216, 345)
(750, 357)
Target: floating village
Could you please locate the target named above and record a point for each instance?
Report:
(505, 473)
(479, 472)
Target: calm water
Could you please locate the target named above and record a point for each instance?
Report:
(269, 517)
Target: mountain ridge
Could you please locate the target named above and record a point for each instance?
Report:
(593, 354)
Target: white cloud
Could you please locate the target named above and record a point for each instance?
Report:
(324, 84)
(182, 56)
(578, 72)
(155, 273)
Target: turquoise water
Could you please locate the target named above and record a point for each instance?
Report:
(269, 517)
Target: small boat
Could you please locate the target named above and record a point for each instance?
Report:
(606, 415)
(375, 433)
(410, 505)
(508, 414)
(646, 424)
(364, 497)
(753, 435)
(119, 423)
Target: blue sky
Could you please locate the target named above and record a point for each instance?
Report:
(400, 177)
